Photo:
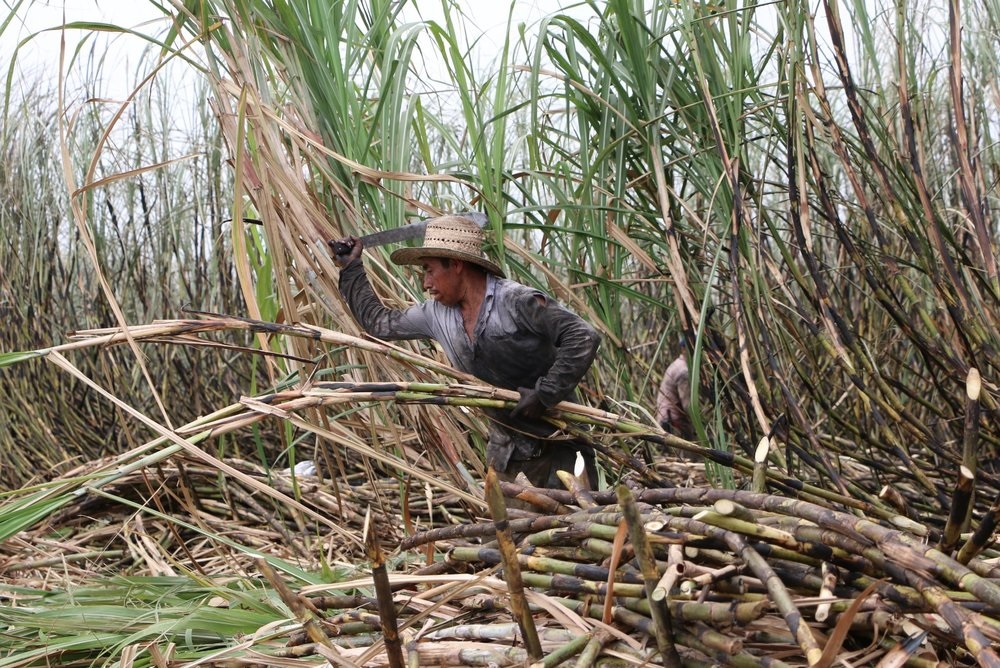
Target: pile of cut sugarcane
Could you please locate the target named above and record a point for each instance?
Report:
(632, 576)
(693, 577)
(643, 574)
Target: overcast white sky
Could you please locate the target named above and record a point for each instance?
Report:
(41, 56)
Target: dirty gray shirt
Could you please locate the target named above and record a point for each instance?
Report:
(674, 398)
(522, 338)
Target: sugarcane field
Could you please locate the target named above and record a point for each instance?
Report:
(590, 333)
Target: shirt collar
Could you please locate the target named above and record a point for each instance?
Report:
(491, 286)
(489, 299)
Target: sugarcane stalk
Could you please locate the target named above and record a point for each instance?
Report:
(566, 416)
(826, 545)
(564, 653)
(295, 604)
(714, 640)
(576, 414)
(502, 632)
(739, 659)
(595, 644)
(534, 496)
(562, 497)
(644, 554)
(666, 583)
(584, 553)
(383, 594)
(869, 621)
(338, 631)
(595, 547)
(730, 508)
(982, 536)
(759, 478)
(298, 650)
(617, 549)
(722, 614)
(964, 624)
(270, 328)
(707, 577)
(621, 614)
(961, 501)
(412, 654)
(970, 435)
(909, 554)
(896, 500)
(748, 528)
(348, 616)
(783, 546)
(779, 594)
(674, 570)
(542, 564)
(523, 525)
(798, 532)
(576, 487)
(830, 574)
(815, 513)
(460, 654)
(906, 654)
(704, 496)
(512, 569)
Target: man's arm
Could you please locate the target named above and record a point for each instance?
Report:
(379, 321)
(575, 341)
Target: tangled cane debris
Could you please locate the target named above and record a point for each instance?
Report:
(644, 574)
(730, 577)
(741, 578)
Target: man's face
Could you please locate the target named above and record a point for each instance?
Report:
(442, 281)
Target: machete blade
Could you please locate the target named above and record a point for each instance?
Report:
(402, 233)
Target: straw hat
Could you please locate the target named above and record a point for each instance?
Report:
(454, 237)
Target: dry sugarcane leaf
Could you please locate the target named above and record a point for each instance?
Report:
(617, 633)
(634, 249)
(563, 615)
(843, 628)
(901, 653)
(333, 655)
(616, 555)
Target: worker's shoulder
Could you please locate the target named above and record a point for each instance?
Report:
(507, 290)
(677, 369)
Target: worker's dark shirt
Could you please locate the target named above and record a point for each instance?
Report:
(523, 338)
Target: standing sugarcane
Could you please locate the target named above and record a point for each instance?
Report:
(383, 592)
(660, 612)
(512, 570)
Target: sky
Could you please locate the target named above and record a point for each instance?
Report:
(41, 56)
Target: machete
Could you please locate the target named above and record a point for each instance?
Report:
(401, 233)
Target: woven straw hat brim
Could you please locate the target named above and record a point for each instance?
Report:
(417, 254)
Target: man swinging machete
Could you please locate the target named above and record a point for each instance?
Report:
(504, 333)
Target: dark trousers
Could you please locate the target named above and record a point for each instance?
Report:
(541, 470)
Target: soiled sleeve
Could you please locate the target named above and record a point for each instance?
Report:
(575, 342)
(378, 320)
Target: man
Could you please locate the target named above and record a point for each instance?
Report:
(673, 400)
(500, 331)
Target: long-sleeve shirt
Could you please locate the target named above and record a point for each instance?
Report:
(522, 338)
